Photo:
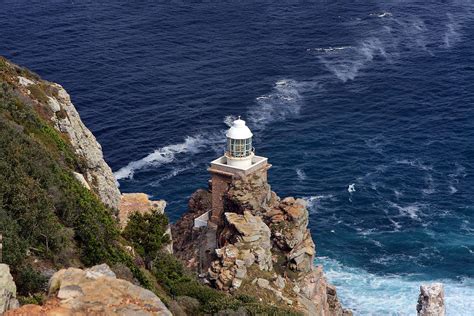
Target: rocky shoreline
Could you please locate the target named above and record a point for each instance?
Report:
(260, 251)
(267, 248)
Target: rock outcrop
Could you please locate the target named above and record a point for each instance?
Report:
(55, 103)
(7, 290)
(97, 172)
(251, 245)
(139, 202)
(263, 247)
(431, 300)
(94, 291)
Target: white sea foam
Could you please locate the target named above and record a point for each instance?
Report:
(371, 294)
(167, 154)
(452, 34)
(417, 163)
(452, 189)
(301, 174)
(430, 185)
(313, 201)
(396, 35)
(460, 171)
(395, 224)
(328, 49)
(397, 193)
(229, 119)
(381, 14)
(173, 173)
(351, 188)
(346, 67)
(282, 102)
(411, 210)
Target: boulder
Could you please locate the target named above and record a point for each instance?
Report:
(263, 283)
(7, 290)
(94, 291)
(253, 237)
(54, 105)
(431, 300)
(280, 282)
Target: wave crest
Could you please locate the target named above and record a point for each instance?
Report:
(164, 155)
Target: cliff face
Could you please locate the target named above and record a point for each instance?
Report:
(97, 172)
(265, 248)
(98, 175)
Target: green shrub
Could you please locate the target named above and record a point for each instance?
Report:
(29, 281)
(41, 202)
(146, 232)
(37, 299)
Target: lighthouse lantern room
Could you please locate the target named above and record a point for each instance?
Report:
(239, 151)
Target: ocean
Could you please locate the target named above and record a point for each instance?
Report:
(364, 108)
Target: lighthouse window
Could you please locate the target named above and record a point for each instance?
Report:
(239, 147)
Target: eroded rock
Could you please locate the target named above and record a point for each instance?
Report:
(97, 172)
(431, 300)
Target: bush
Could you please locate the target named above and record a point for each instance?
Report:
(146, 232)
(29, 281)
(41, 202)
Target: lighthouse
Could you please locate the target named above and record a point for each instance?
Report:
(239, 152)
(238, 162)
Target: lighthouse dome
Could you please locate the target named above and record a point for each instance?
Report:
(239, 130)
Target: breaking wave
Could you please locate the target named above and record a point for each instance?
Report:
(371, 294)
(283, 102)
(167, 154)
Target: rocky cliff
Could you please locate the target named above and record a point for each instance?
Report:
(61, 211)
(263, 246)
(97, 175)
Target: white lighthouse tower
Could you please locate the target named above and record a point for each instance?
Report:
(238, 162)
(239, 151)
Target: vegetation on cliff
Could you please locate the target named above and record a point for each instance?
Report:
(49, 220)
(45, 213)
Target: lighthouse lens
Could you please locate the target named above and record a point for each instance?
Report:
(239, 147)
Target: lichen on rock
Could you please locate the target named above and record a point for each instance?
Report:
(94, 291)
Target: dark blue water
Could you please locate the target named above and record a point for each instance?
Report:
(365, 109)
